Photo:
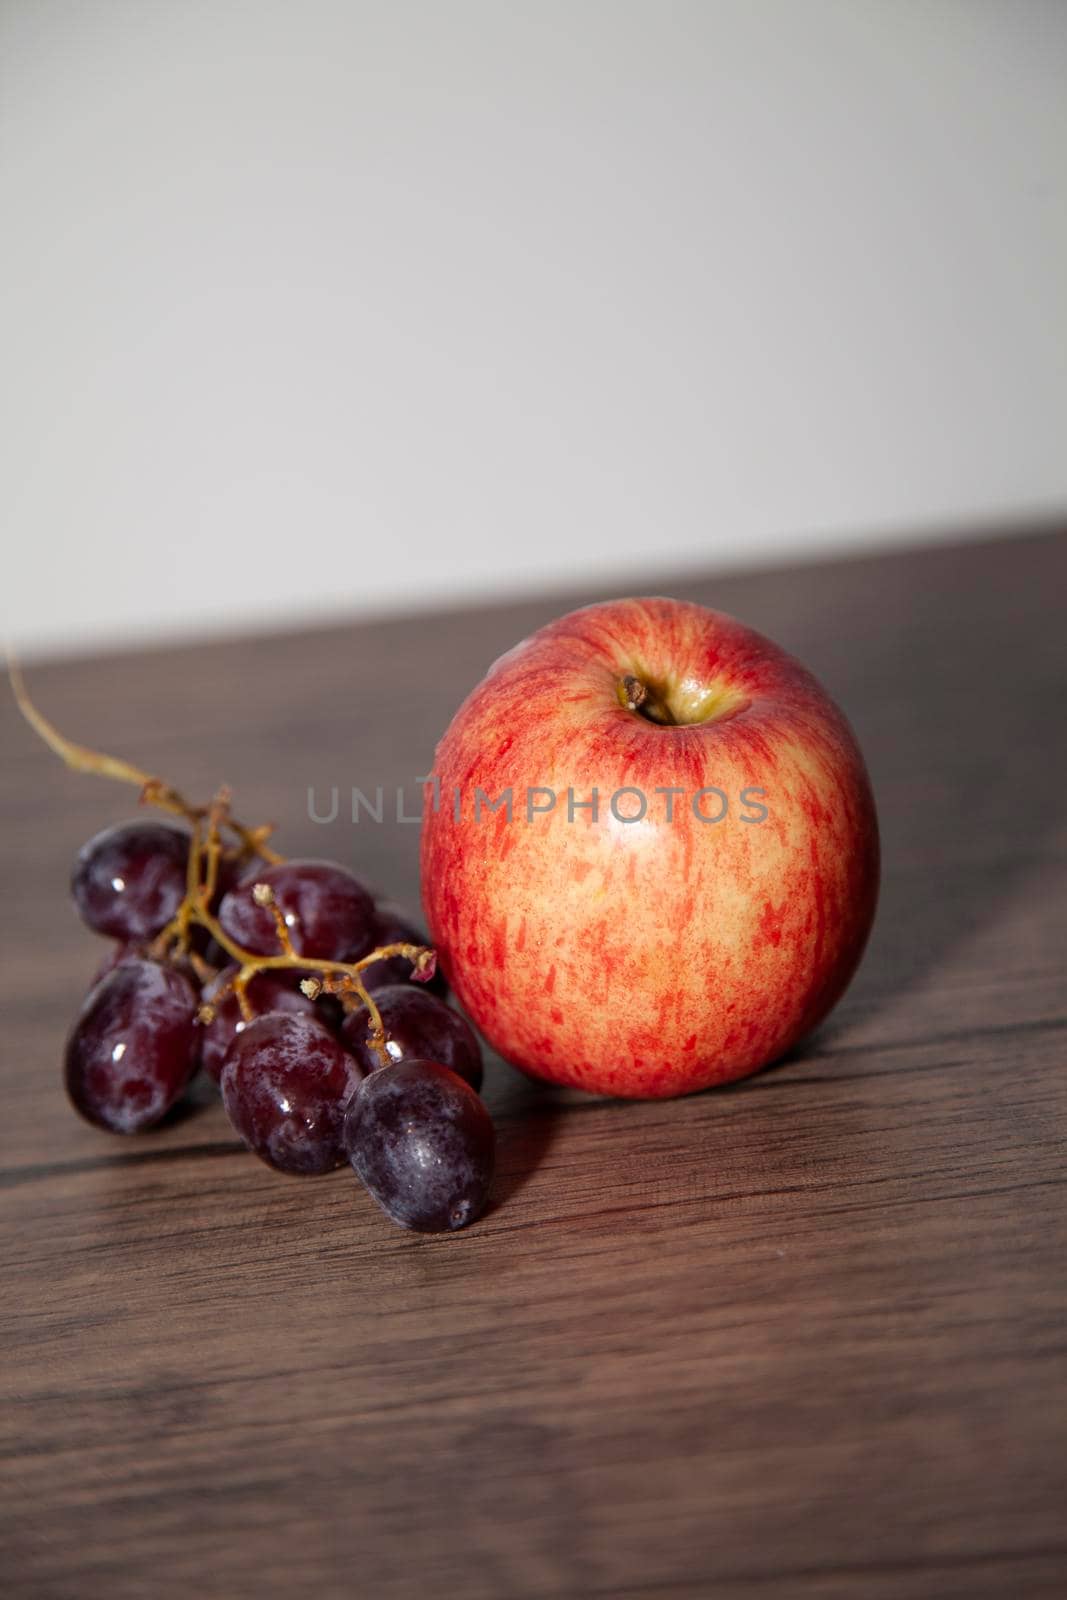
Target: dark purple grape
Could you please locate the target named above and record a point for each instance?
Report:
(418, 1027)
(130, 880)
(392, 925)
(201, 940)
(268, 991)
(423, 1143)
(285, 1083)
(133, 1047)
(328, 912)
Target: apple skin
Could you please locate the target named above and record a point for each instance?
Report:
(647, 959)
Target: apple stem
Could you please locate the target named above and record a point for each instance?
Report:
(637, 696)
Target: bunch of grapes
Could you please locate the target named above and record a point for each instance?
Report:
(287, 983)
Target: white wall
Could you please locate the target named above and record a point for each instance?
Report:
(311, 306)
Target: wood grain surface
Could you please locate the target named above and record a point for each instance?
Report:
(800, 1337)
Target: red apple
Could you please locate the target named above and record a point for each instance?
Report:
(673, 940)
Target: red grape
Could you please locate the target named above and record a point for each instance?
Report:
(130, 880)
(423, 1144)
(133, 1046)
(328, 912)
(418, 1026)
(285, 1083)
(268, 991)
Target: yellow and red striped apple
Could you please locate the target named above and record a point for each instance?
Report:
(709, 912)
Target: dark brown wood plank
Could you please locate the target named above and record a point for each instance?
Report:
(801, 1337)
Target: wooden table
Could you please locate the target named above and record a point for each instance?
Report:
(801, 1337)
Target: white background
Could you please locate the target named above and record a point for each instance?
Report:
(311, 307)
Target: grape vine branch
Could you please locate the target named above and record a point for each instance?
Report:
(207, 850)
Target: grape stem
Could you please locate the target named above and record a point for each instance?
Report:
(341, 978)
(206, 849)
(154, 792)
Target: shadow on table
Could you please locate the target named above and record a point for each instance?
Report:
(960, 685)
(527, 1116)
